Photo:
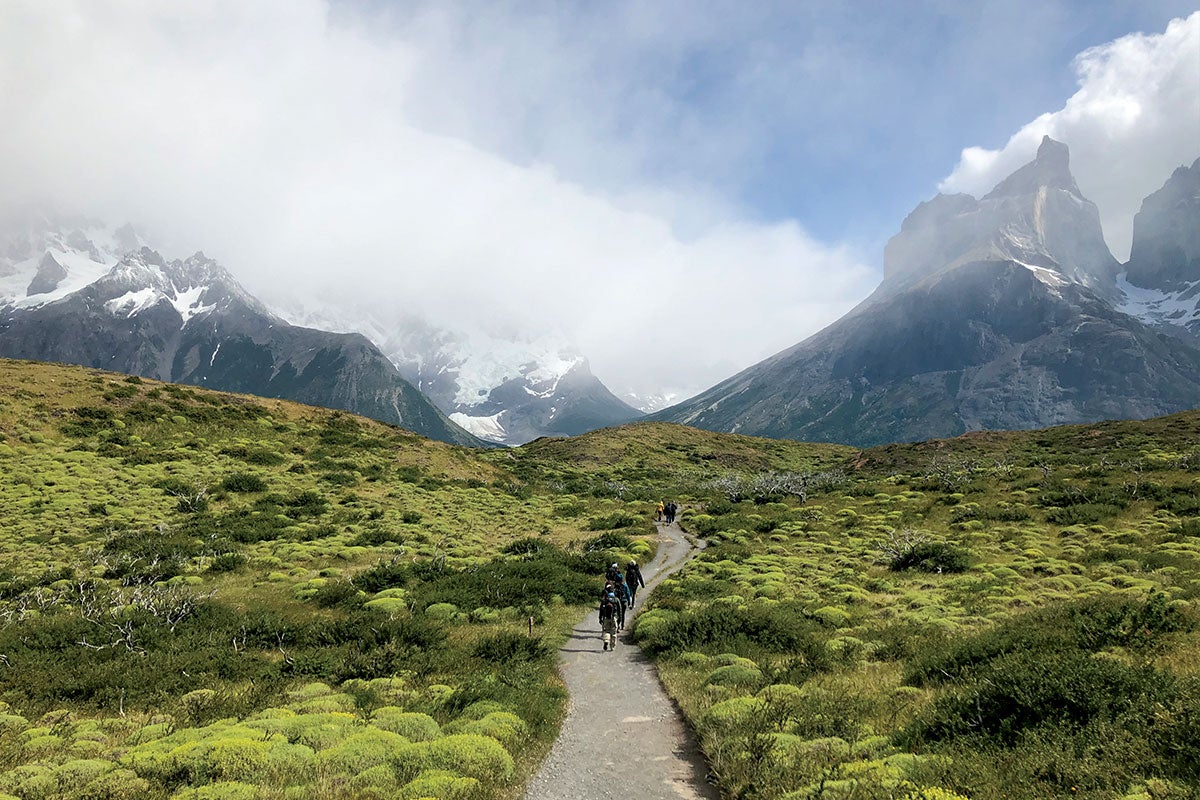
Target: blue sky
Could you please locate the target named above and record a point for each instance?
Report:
(679, 187)
(840, 115)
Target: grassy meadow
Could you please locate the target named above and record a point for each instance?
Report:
(205, 595)
(211, 596)
(1002, 615)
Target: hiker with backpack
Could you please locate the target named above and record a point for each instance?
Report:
(623, 597)
(633, 577)
(612, 573)
(671, 509)
(609, 611)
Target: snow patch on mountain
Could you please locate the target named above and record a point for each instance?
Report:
(1157, 307)
(85, 250)
(656, 401)
(1051, 278)
(134, 302)
(189, 303)
(486, 362)
(81, 270)
(487, 428)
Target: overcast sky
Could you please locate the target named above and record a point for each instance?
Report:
(681, 187)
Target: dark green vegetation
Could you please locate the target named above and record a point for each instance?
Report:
(205, 596)
(998, 615)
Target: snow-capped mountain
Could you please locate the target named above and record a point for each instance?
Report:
(504, 388)
(999, 313)
(70, 293)
(1161, 282)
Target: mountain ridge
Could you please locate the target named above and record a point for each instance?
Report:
(189, 321)
(1000, 313)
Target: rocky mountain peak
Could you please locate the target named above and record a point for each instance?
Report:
(1166, 234)
(1050, 169)
(49, 274)
(1035, 217)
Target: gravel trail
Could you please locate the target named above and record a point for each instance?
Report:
(623, 738)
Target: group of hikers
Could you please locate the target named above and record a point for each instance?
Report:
(617, 598)
(665, 512)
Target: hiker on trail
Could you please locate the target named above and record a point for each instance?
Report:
(633, 578)
(613, 573)
(609, 610)
(658, 512)
(671, 509)
(622, 592)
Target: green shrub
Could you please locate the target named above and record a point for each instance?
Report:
(339, 594)
(528, 546)
(508, 648)
(779, 627)
(441, 784)
(441, 611)
(222, 790)
(1091, 624)
(932, 557)
(364, 750)
(1082, 514)
(244, 482)
(534, 580)
(1022, 691)
(227, 562)
(729, 717)
(503, 726)
(478, 757)
(414, 726)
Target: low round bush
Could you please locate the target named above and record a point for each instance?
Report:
(244, 482)
(733, 660)
(735, 675)
(479, 757)
(412, 725)
(119, 783)
(442, 611)
(361, 751)
(831, 616)
(381, 778)
(728, 716)
(440, 784)
(224, 790)
(503, 726)
(75, 774)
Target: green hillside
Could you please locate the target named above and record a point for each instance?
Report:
(1001, 615)
(208, 590)
(205, 595)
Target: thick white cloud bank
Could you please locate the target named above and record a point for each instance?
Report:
(1134, 119)
(276, 138)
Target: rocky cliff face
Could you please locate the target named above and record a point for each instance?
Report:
(1035, 217)
(1162, 278)
(190, 322)
(998, 313)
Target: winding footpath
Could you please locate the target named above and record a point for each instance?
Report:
(623, 737)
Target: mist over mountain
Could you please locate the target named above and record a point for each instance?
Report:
(1006, 312)
(507, 387)
(73, 291)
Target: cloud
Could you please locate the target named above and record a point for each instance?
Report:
(1133, 120)
(283, 138)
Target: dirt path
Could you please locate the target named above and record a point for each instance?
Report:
(622, 738)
